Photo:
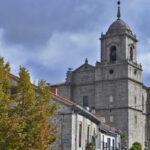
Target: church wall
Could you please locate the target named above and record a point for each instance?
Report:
(103, 72)
(137, 99)
(111, 93)
(83, 85)
(111, 99)
(135, 72)
(64, 91)
(137, 127)
(83, 77)
(135, 95)
(84, 90)
(117, 118)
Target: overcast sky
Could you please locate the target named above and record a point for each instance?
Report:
(50, 36)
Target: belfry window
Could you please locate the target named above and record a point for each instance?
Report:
(131, 53)
(113, 53)
(142, 102)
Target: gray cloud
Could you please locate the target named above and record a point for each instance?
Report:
(48, 36)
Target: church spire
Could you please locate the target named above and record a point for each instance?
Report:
(118, 13)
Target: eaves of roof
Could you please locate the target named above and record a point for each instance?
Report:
(62, 100)
(58, 84)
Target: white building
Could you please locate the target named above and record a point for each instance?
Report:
(78, 128)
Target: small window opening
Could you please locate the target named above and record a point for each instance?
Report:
(111, 71)
(80, 134)
(135, 101)
(135, 71)
(131, 53)
(135, 120)
(85, 101)
(142, 102)
(113, 53)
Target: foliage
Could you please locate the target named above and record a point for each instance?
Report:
(26, 111)
(95, 135)
(123, 136)
(46, 110)
(123, 142)
(7, 122)
(34, 112)
(25, 116)
(136, 146)
(91, 145)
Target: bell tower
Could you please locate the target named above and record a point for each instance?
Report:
(119, 43)
(118, 82)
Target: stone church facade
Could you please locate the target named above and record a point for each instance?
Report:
(114, 86)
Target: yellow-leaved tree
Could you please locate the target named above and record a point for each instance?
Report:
(9, 123)
(25, 116)
(35, 109)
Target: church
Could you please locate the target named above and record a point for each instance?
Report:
(114, 87)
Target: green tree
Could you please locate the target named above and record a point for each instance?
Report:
(25, 116)
(26, 111)
(47, 131)
(136, 146)
(34, 112)
(8, 120)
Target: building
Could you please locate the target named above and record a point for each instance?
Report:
(114, 86)
(78, 128)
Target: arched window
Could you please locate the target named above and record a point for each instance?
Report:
(113, 53)
(131, 53)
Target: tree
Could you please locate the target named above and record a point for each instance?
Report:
(46, 110)
(34, 112)
(136, 146)
(26, 111)
(8, 120)
(123, 142)
(25, 116)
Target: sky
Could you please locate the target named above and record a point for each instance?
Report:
(50, 36)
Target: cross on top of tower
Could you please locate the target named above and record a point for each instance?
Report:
(118, 13)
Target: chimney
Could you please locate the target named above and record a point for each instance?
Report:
(54, 91)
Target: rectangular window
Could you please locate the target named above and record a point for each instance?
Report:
(103, 143)
(80, 134)
(93, 137)
(113, 146)
(135, 120)
(108, 143)
(85, 101)
(143, 103)
(94, 132)
(88, 133)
